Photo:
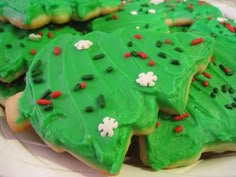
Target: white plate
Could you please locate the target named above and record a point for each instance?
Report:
(25, 155)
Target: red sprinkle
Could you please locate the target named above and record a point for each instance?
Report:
(178, 129)
(227, 70)
(201, 3)
(205, 83)
(137, 36)
(50, 34)
(167, 41)
(229, 27)
(43, 102)
(157, 124)
(115, 16)
(212, 59)
(57, 50)
(123, 3)
(8, 85)
(180, 117)
(190, 6)
(82, 85)
(151, 63)
(210, 18)
(55, 94)
(40, 33)
(142, 55)
(193, 79)
(127, 55)
(207, 75)
(33, 51)
(197, 41)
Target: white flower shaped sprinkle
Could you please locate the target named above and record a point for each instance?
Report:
(221, 19)
(151, 11)
(155, 2)
(83, 44)
(147, 79)
(133, 12)
(106, 128)
(34, 37)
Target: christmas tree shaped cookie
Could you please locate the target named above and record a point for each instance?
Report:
(18, 47)
(140, 15)
(219, 27)
(187, 11)
(208, 125)
(97, 90)
(31, 14)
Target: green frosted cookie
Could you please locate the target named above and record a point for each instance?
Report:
(209, 122)
(100, 89)
(18, 47)
(207, 126)
(137, 14)
(32, 14)
(219, 27)
(183, 12)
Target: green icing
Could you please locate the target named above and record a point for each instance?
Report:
(212, 109)
(16, 47)
(217, 27)
(136, 14)
(72, 120)
(9, 89)
(210, 122)
(190, 10)
(27, 10)
(181, 28)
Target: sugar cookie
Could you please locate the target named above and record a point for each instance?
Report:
(30, 14)
(139, 15)
(79, 99)
(18, 47)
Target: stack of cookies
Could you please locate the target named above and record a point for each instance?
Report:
(88, 76)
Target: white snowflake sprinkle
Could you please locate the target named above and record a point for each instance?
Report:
(83, 44)
(34, 37)
(133, 12)
(106, 128)
(137, 27)
(155, 2)
(151, 11)
(146, 79)
(221, 19)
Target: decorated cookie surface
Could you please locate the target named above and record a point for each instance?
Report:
(187, 11)
(89, 94)
(9, 89)
(31, 14)
(219, 27)
(209, 121)
(179, 28)
(18, 47)
(136, 14)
